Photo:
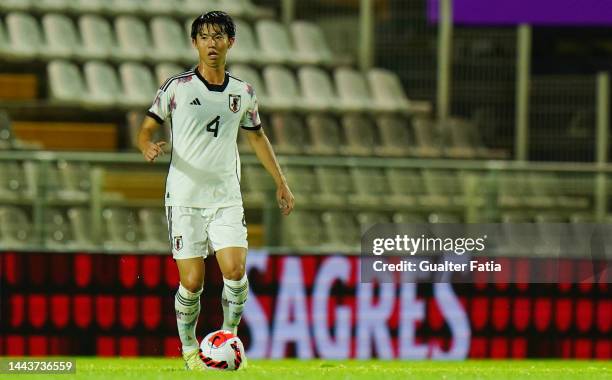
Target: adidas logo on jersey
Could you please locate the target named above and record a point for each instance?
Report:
(196, 102)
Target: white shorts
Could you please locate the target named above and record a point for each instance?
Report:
(192, 230)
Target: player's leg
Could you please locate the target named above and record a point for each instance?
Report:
(228, 237)
(235, 285)
(187, 228)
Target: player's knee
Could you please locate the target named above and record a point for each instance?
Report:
(236, 272)
(193, 284)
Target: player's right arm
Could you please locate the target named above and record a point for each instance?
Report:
(150, 150)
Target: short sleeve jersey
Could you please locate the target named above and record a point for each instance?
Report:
(205, 118)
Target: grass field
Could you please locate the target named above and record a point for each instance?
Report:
(172, 369)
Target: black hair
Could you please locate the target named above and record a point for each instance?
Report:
(222, 19)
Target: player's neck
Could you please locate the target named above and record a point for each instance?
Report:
(213, 75)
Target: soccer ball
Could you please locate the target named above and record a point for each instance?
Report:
(222, 350)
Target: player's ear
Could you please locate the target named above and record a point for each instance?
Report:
(231, 42)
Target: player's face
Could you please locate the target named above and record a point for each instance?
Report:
(212, 45)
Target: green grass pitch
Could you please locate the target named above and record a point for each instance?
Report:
(172, 369)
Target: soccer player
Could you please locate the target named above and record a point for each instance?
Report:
(207, 106)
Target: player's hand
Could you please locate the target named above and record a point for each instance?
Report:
(153, 150)
(285, 199)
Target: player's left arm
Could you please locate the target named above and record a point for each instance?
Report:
(263, 149)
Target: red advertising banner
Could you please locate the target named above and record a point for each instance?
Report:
(299, 306)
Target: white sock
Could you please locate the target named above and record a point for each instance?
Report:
(233, 299)
(187, 306)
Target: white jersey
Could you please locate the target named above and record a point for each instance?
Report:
(204, 166)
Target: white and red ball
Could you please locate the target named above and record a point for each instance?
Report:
(222, 350)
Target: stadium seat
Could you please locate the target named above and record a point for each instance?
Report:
(75, 180)
(443, 188)
(80, 220)
(394, 136)
(367, 220)
(405, 186)
(389, 95)
(12, 181)
(310, 43)
(159, 7)
(56, 229)
(66, 84)
(283, 91)
(360, 135)
(335, 185)
(50, 5)
(194, 8)
(408, 218)
(370, 187)
(133, 39)
(245, 49)
(513, 190)
(131, 7)
(138, 85)
(439, 217)
(102, 85)
(352, 91)
(274, 42)
(303, 230)
(546, 188)
(428, 142)
(171, 44)
(154, 227)
(15, 228)
(256, 184)
(120, 227)
(303, 183)
(163, 71)
(317, 90)
(15, 5)
(251, 76)
(7, 139)
(290, 135)
(87, 6)
(325, 135)
(25, 40)
(61, 37)
(97, 38)
(342, 229)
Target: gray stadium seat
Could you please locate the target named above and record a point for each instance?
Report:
(303, 230)
(325, 135)
(56, 229)
(61, 37)
(132, 7)
(25, 40)
(194, 8)
(342, 229)
(15, 5)
(120, 228)
(408, 218)
(88, 6)
(102, 85)
(65, 83)
(159, 7)
(274, 42)
(256, 183)
(290, 135)
(394, 136)
(75, 180)
(370, 187)
(335, 185)
(443, 187)
(405, 186)
(440, 217)
(7, 139)
(389, 95)
(154, 228)
(12, 181)
(15, 228)
(367, 220)
(171, 43)
(317, 90)
(352, 91)
(310, 43)
(360, 135)
(303, 183)
(97, 38)
(138, 85)
(283, 91)
(548, 190)
(245, 49)
(163, 71)
(80, 220)
(251, 76)
(513, 190)
(133, 39)
(50, 5)
(426, 135)
(462, 139)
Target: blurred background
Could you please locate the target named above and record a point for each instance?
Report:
(403, 111)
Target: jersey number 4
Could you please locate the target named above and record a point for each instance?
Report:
(213, 126)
